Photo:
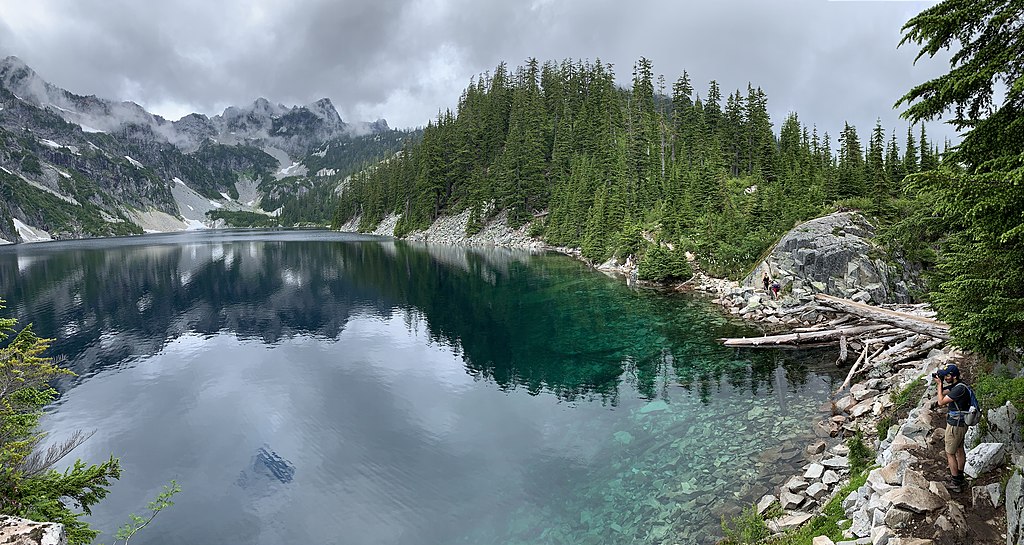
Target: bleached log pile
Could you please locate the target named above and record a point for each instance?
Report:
(881, 336)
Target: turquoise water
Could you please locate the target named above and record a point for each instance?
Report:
(312, 387)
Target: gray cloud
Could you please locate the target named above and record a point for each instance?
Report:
(830, 61)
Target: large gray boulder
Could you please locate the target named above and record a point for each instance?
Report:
(1014, 508)
(984, 458)
(19, 531)
(833, 254)
(1003, 426)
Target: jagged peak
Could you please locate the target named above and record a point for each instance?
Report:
(14, 62)
(324, 103)
(324, 109)
(194, 115)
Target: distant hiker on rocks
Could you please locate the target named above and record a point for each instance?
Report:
(775, 289)
(766, 280)
(952, 390)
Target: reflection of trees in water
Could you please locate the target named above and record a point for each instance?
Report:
(542, 323)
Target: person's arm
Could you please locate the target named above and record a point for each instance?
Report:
(942, 393)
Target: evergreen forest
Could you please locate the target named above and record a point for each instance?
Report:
(650, 171)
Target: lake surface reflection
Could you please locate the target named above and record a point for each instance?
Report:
(313, 387)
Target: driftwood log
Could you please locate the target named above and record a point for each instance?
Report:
(883, 337)
(804, 337)
(902, 320)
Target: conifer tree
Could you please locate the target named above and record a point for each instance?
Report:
(850, 174)
(894, 165)
(980, 190)
(910, 153)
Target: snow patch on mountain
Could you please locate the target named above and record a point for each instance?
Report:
(294, 169)
(29, 233)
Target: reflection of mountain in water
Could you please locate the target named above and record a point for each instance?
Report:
(539, 322)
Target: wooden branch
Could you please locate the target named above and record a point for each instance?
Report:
(842, 350)
(799, 338)
(907, 343)
(910, 322)
(927, 347)
(853, 369)
(864, 360)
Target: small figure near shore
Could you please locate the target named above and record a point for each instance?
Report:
(766, 280)
(775, 289)
(952, 390)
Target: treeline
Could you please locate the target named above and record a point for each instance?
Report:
(613, 170)
(310, 200)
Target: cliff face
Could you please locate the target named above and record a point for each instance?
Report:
(836, 255)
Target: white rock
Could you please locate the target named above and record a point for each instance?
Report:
(814, 472)
(891, 473)
(914, 499)
(795, 484)
(995, 494)
(877, 482)
(837, 462)
(26, 532)
(983, 458)
(914, 478)
(880, 535)
(830, 478)
(788, 500)
(786, 522)
(765, 502)
(817, 490)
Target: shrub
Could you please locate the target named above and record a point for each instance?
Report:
(660, 264)
(29, 487)
(901, 405)
(747, 527)
(861, 456)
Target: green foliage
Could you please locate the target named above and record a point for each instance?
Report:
(902, 402)
(659, 264)
(979, 191)
(605, 161)
(239, 218)
(747, 527)
(861, 456)
(30, 164)
(136, 523)
(58, 216)
(995, 390)
(29, 488)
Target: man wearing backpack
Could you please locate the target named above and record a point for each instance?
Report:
(952, 391)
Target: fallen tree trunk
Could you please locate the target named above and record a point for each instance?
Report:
(801, 338)
(862, 363)
(910, 322)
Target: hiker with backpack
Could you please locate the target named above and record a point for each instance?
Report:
(963, 412)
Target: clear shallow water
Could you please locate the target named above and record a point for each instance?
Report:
(311, 387)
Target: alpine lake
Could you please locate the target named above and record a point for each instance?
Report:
(328, 388)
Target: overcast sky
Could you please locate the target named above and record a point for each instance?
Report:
(403, 60)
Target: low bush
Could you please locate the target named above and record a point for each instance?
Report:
(659, 264)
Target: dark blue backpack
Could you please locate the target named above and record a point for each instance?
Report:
(972, 415)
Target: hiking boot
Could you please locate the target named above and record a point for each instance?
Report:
(955, 484)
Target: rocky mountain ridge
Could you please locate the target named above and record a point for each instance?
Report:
(74, 166)
(295, 129)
